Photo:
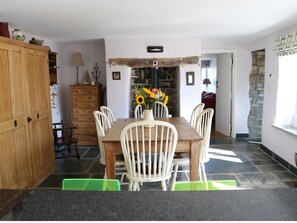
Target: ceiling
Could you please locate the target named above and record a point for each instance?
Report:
(77, 20)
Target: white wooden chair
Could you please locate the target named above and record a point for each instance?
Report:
(148, 152)
(195, 113)
(160, 110)
(109, 114)
(193, 122)
(102, 126)
(138, 112)
(203, 127)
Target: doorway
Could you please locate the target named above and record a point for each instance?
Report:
(223, 90)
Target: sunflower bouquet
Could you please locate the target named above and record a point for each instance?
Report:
(147, 97)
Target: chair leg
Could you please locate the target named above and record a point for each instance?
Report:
(174, 176)
(135, 186)
(199, 172)
(69, 148)
(105, 174)
(76, 151)
(187, 175)
(163, 184)
(122, 177)
(130, 188)
(203, 172)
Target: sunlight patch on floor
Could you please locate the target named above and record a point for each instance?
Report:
(223, 155)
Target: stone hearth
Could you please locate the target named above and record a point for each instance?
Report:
(166, 80)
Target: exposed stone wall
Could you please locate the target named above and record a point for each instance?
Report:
(256, 95)
(167, 82)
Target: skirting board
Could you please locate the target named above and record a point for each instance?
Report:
(241, 135)
(290, 167)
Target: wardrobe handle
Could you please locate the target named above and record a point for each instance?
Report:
(37, 115)
(29, 119)
(15, 123)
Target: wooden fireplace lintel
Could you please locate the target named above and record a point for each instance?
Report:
(154, 62)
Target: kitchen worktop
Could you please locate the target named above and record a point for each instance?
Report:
(255, 204)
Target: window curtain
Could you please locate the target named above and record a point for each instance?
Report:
(286, 44)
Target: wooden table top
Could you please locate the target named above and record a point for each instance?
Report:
(184, 129)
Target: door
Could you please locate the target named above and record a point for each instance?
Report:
(39, 112)
(223, 94)
(15, 158)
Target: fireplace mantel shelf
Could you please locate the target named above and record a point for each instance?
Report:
(154, 62)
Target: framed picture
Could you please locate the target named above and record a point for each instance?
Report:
(116, 75)
(190, 78)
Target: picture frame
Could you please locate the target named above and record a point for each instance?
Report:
(116, 75)
(190, 78)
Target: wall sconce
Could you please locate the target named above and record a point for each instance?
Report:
(155, 49)
(77, 61)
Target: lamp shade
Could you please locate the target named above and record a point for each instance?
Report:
(77, 59)
(206, 81)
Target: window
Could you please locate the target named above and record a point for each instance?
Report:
(286, 107)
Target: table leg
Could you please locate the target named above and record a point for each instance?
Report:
(194, 159)
(109, 160)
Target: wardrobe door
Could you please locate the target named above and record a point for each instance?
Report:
(39, 113)
(15, 158)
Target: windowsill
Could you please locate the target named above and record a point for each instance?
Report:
(287, 128)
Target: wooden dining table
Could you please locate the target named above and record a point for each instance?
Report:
(189, 141)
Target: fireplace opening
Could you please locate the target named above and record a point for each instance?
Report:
(164, 78)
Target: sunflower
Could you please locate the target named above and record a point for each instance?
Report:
(147, 97)
(139, 99)
(166, 100)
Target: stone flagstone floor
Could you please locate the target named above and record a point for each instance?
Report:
(230, 159)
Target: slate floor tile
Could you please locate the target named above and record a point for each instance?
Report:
(230, 159)
(54, 181)
(264, 162)
(72, 165)
(257, 156)
(271, 168)
(258, 178)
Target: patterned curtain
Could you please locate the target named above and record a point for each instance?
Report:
(286, 44)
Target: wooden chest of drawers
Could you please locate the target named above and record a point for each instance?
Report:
(85, 100)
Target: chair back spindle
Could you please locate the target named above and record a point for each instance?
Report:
(138, 112)
(149, 151)
(160, 110)
(109, 114)
(195, 113)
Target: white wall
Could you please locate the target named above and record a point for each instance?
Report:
(242, 68)
(92, 52)
(278, 141)
(118, 91)
(190, 95)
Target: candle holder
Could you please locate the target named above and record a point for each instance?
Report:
(96, 73)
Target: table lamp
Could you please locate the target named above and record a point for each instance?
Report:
(77, 61)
